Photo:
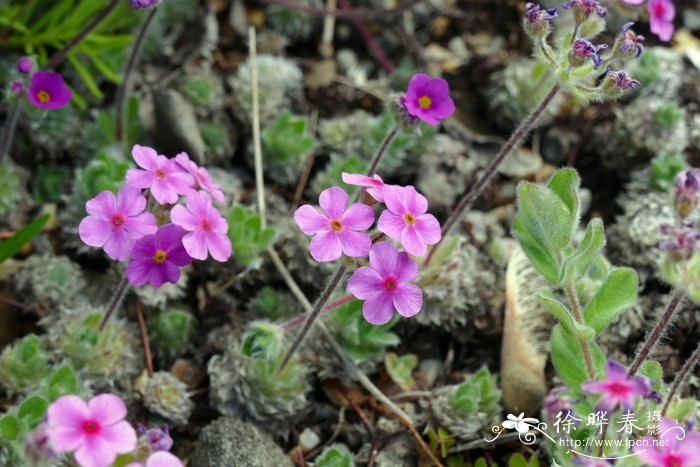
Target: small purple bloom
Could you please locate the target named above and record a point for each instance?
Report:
(384, 285)
(336, 229)
(617, 82)
(158, 438)
(48, 91)
(688, 182)
(583, 49)
(17, 87)
(143, 3)
(629, 42)
(116, 222)
(428, 99)
(661, 14)
(157, 259)
(617, 389)
(585, 8)
(374, 185)
(676, 447)
(165, 178)
(24, 65)
(555, 403)
(207, 229)
(406, 220)
(684, 242)
(537, 20)
(202, 180)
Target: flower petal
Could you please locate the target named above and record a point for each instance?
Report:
(310, 221)
(383, 258)
(219, 246)
(138, 178)
(65, 439)
(106, 409)
(428, 228)
(179, 215)
(94, 231)
(355, 244)
(358, 217)
(414, 202)
(118, 246)
(365, 282)
(138, 270)
(406, 269)
(198, 203)
(103, 205)
(67, 411)
(393, 198)
(163, 192)
(195, 244)
(141, 225)
(391, 224)
(325, 246)
(332, 201)
(163, 459)
(412, 242)
(379, 309)
(95, 452)
(408, 299)
(130, 201)
(145, 157)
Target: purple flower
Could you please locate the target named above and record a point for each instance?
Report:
(661, 14)
(585, 8)
(537, 20)
(158, 438)
(17, 87)
(374, 184)
(24, 65)
(202, 180)
(687, 188)
(157, 259)
(678, 448)
(207, 228)
(684, 242)
(116, 222)
(335, 229)
(384, 285)
(406, 220)
(616, 82)
(629, 43)
(554, 402)
(428, 99)
(617, 388)
(143, 3)
(582, 49)
(48, 91)
(165, 178)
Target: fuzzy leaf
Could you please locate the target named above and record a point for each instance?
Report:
(544, 261)
(565, 183)
(568, 358)
(400, 369)
(546, 215)
(563, 315)
(32, 410)
(679, 410)
(618, 292)
(12, 245)
(63, 381)
(652, 370)
(10, 427)
(576, 265)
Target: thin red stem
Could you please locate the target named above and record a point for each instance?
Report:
(300, 319)
(144, 338)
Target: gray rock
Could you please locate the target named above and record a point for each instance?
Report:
(176, 127)
(228, 442)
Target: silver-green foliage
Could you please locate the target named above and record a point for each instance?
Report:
(248, 236)
(286, 145)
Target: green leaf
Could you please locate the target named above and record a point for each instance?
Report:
(563, 315)
(544, 261)
(652, 370)
(517, 460)
(63, 381)
(679, 410)
(545, 215)
(569, 360)
(12, 245)
(400, 369)
(32, 410)
(565, 183)
(576, 265)
(10, 427)
(618, 292)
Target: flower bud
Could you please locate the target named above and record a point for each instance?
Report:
(683, 242)
(400, 113)
(537, 21)
(24, 65)
(582, 49)
(687, 189)
(585, 8)
(143, 3)
(616, 83)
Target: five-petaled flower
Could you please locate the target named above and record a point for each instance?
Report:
(207, 229)
(336, 229)
(384, 285)
(678, 447)
(164, 177)
(202, 180)
(661, 14)
(617, 388)
(95, 431)
(48, 91)
(157, 259)
(116, 222)
(428, 99)
(406, 220)
(373, 184)
(583, 49)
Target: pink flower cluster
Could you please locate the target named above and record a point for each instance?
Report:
(341, 230)
(96, 432)
(121, 225)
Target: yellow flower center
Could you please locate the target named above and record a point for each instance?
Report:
(425, 102)
(336, 225)
(43, 96)
(159, 257)
(409, 218)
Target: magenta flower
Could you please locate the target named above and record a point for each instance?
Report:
(116, 222)
(158, 438)
(678, 448)
(428, 99)
(17, 87)
(159, 459)
(661, 14)
(207, 228)
(374, 184)
(335, 229)
(384, 285)
(143, 3)
(201, 177)
(617, 388)
(24, 65)
(165, 178)
(406, 220)
(583, 49)
(48, 91)
(95, 431)
(157, 259)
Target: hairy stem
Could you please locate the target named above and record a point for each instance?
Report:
(8, 131)
(115, 301)
(131, 64)
(656, 333)
(478, 187)
(680, 377)
(578, 316)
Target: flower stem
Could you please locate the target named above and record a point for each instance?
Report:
(660, 327)
(320, 304)
(115, 301)
(382, 149)
(680, 377)
(144, 338)
(490, 172)
(573, 299)
(131, 64)
(8, 131)
(291, 324)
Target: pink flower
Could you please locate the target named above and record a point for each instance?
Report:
(24, 65)
(678, 449)
(374, 184)
(116, 222)
(384, 285)
(207, 228)
(406, 220)
(96, 431)
(335, 230)
(661, 14)
(157, 259)
(428, 99)
(165, 178)
(617, 388)
(48, 91)
(201, 177)
(159, 459)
